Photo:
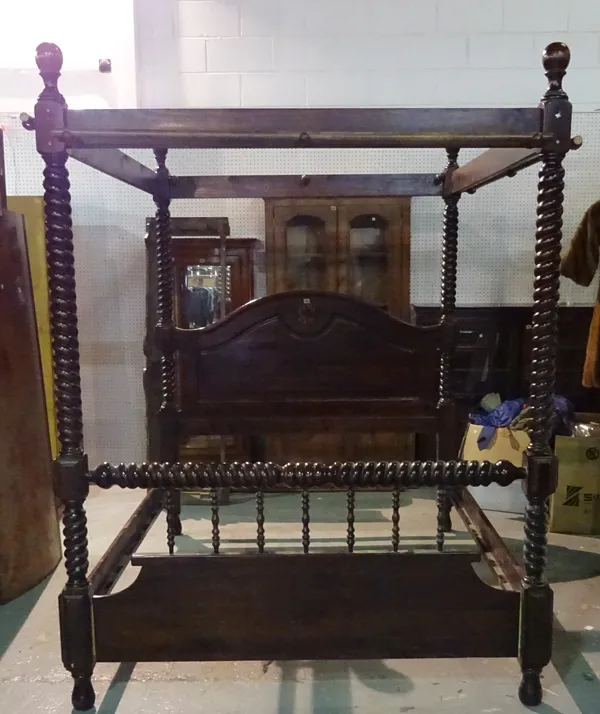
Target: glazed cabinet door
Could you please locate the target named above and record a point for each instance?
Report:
(374, 265)
(374, 248)
(301, 246)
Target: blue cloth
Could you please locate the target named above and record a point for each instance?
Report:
(485, 437)
(504, 414)
(563, 417)
(500, 416)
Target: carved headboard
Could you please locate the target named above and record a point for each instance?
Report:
(302, 360)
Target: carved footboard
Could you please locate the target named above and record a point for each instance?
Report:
(320, 606)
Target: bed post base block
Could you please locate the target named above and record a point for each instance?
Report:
(535, 640)
(77, 649)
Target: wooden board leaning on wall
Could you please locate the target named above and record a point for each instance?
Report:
(32, 208)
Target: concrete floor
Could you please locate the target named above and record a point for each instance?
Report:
(33, 680)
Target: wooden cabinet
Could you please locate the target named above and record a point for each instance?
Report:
(493, 351)
(358, 247)
(197, 303)
(487, 355)
(494, 346)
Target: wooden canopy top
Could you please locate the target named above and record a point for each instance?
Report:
(515, 137)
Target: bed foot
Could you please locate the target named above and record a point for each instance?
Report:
(84, 697)
(530, 689)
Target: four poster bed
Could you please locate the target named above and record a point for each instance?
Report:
(296, 361)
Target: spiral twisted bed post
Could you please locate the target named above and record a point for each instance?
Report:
(448, 306)
(167, 416)
(76, 621)
(536, 611)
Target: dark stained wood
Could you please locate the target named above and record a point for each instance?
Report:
(165, 319)
(350, 519)
(199, 226)
(488, 167)
(473, 121)
(292, 140)
(330, 606)
(76, 627)
(106, 573)
(192, 251)
(298, 607)
(151, 376)
(395, 520)
(188, 250)
(29, 533)
(493, 548)
(305, 522)
(314, 346)
(115, 163)
(173, 525)
(297, 416)
(305, 186)
(536, 631)
(448, 278)
(279, 128)
(215, 520)
(260, 521)
(2, 174)
(251, 477)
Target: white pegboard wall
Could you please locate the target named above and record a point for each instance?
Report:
(497, 228)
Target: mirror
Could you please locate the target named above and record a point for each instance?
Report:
(201, 302)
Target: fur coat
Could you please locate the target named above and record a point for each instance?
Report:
(580, 263)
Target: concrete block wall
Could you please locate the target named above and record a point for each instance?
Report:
(86, 32)
(261, 53)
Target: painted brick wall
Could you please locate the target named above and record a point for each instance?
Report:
(86, 32)
(257, 53)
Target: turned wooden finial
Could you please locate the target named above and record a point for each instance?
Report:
(161, 186)
(49, 60)
(161, 160)
(555, 59)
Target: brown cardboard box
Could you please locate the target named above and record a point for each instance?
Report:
(507, 445)
(575, 507)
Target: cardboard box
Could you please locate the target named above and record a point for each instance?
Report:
(575, 507)
(507, 445)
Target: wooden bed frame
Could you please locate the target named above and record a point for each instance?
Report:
(296, 361)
